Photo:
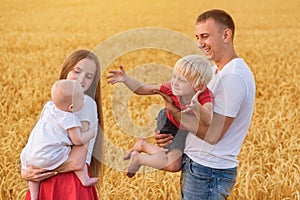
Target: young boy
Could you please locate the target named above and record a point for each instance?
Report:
(189, 93)
(58, 128)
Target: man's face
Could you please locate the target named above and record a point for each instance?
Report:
(210, 38)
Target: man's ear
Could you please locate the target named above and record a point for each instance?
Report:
(227, 35)
(70, 108)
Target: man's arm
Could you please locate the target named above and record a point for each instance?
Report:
(210, 133)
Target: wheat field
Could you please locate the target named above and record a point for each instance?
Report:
(36, 37)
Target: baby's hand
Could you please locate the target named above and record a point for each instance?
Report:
(116, 76)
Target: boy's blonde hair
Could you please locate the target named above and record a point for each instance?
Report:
(195, 68)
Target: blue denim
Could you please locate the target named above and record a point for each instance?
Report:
(205, 183)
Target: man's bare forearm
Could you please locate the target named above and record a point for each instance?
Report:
(190, 122)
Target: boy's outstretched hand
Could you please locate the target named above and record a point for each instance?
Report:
(194, 105)
(117, 76)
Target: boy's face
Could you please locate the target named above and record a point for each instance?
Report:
(181, 86)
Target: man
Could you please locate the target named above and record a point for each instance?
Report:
(210, 157)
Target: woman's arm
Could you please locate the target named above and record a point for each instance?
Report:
(75, 162)
(36, 174)
(134, 85)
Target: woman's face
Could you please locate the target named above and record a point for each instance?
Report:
(84, 72)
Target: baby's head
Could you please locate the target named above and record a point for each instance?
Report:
(195, 69)
(67, 95)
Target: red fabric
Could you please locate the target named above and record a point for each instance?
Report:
(65, 186)
(203, 98)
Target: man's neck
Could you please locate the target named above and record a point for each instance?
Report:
(225, 59)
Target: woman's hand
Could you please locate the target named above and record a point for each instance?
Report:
(36, 174)
(117, 76)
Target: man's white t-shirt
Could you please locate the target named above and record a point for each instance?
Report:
(234, 93)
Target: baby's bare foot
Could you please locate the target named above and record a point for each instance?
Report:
(137, 147)
(89, 182)
(134, 165)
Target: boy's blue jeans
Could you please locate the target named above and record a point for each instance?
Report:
(205, 183)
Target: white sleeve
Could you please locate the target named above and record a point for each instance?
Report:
(231, 92)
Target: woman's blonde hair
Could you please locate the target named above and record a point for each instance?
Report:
(195, 68)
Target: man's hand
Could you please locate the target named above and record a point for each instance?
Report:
(164, 96)
(170, 106)
(162, 140)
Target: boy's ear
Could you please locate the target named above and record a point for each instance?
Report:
(70, 108)
(198, 87)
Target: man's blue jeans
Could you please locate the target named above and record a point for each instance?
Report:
(205, 183)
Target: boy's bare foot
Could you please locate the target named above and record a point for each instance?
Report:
(137, 147)
(133, 166)
(89, 182)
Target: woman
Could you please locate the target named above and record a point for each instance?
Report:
(83, 66)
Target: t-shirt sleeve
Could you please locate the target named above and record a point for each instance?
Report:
(230, 92)
(206, 97)
(166, 88)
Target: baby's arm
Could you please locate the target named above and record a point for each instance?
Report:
(134, 85)
(79, 138)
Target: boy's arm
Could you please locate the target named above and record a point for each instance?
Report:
(134, 85)
(79, 138)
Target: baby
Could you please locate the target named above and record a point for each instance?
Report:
(57, 129)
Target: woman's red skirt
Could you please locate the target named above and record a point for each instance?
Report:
(65, 186)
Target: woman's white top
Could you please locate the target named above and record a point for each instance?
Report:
(89, 113)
